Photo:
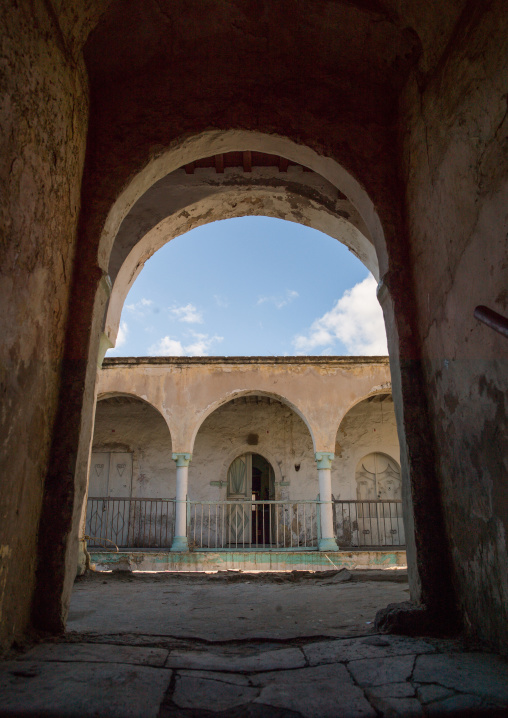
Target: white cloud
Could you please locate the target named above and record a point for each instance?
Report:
(187, 313)
(356, 321)
(280, 301)
(121, 338)
(201, 344)
(139, 308)
(167, 347)
(173, 347)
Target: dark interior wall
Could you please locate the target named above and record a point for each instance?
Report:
(325, 75)
(43, 124)
(455, 143)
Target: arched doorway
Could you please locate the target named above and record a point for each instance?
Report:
(250, 479)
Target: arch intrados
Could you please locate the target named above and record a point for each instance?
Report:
(219, 403)
(131, 395)
(230, 206)
(177, 191)
(359, 400)
(191, 149)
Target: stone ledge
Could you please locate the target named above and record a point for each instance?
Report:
(239, 360)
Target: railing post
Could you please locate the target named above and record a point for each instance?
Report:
(318, 520)
(327, 541)
(180, 541)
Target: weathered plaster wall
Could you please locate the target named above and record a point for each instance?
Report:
(456, 159)
(331, 86)
(368, 427)
(43, 125)
(125, 424)
(128, 424)
(187, 390)
(315, 82)
(283, 439)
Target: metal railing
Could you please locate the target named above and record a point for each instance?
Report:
(241, 525)
(253, 525)
(368, 524)
(130, 523)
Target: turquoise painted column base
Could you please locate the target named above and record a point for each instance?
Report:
(180, 543)
(326, 544)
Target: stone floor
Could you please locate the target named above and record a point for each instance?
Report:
(107, 672)
(230, 604)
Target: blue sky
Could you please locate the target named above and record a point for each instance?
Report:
(252, 286)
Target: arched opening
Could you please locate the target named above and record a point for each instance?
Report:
(366, 482)
(367, 427)
(408, 98)
(179, 202)
(183, 188)
(252, 479)
(131, 478)
(195, 148)
(246, 289)
(379, 507)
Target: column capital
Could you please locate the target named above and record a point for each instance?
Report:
(324, 459)
(181, 459)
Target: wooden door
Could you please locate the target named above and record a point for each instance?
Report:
(240, 490)
(110, 478)
(119, 487)
(96, 513)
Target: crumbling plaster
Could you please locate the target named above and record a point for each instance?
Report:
(187, 390)
(129, 424)
(176, 191)
(43, 126)
(180, 202)
(456, 156)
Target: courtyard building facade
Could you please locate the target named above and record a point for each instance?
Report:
(252, 453)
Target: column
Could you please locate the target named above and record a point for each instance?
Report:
(180, 542)
(327, 540)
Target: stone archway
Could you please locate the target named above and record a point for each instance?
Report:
(239, 435)
(410, 98)
(180, 202)
(188, 150)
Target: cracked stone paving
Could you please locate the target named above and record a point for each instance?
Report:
(98, 668)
